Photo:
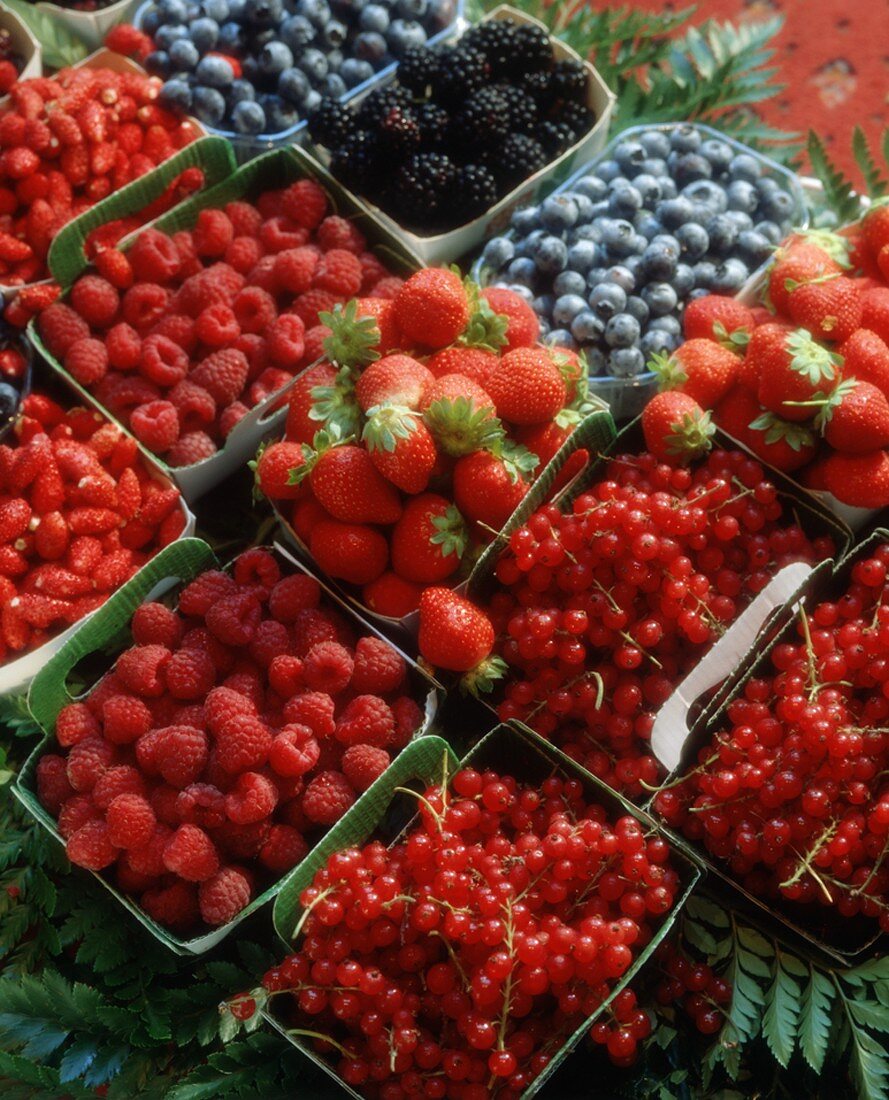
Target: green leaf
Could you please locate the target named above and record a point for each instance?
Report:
(874, 181)
(77, 1060)
(815, 1018)
(869, 1065)
(839, 192)
(781, 1017)
(870, 1014)
(876, 970)
(60, 47)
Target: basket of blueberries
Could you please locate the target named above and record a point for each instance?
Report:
(610, 259)
(253, 70)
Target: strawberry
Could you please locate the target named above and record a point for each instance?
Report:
(392, 596)
(474, 363)
(382, 312)
(866, 356)
(301, 425)
(432, 308)
(460, 415)
(543, 440)
(875, 227)
(715, 317)
(793, 370)
(273, 470)
(700, 368)
(489, 487)
(854, 419)
(861, 481)
(348, 485)
(527, 386)
(786, 446)
(400, 445)
(454, 634)
(428, 541)
(676, 428)
(349, 551)
(523, 327)
(797, 262)
(875, 311)
(398, 379)
(829, 307)
(736, 412)
(762, 339)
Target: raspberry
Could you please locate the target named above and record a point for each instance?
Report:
(283, 849)
(156, 425)
(154, 257)
(312, 709)
(224, 896)
(191, 448)
(293, 594)
(223, 374)
(286, 675)
(95, 299)
(327, 798)
(408, 719)
(271, 640)
(149, 860)
(174, 906)
(368, 719)
(337, 232)
(163, 800)
(327, 667)
(279, 233)
(294, 269)
(196, 408)
(130, 821)
(122, 779)
(91, 847)
(212, 234)
(75, 723)
(204, 591)
(191, 854)
(180, 754)
(256, 567)
(178, 328)
(87, 361)
(311, 627)
(340, 272)
(201, 804)
(201, 638)
(76, 812)
(216, 326)
(267, 385)
(141, 669)
(154, 624)
(243, 254)
(309, 306)
(190, 674)
(144, 305)
(363, 764)
(314, 343)
(60, 327)
(125, 719)
(242, 741)
(294, 751)
(305, 202)
(379, 669)
(254, 310)
(53, 788)
(241, 841)
(387, 288)
(285, 341)
(231, 417)
(86, 762)
(245, 218)
(124, 347)
(246, 681)
(253, 798)
(234, 620)
(115, 267)
(163, 361)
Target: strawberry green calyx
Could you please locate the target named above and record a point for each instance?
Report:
(354, 341)
(791, 284)
(460, 427)
(833, 244)
(485, 329)
(518, 461)
(796, 436)
(386, 424)
(450, 533)
(808, 358)
(671, 374)
(736, 341)
(481, 679)
(336, 404)
(324, 441)
(690, 436)
(827, 403)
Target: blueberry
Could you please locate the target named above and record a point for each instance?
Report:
(584, 206)
(151, 23)
(754, 247)
(370, 46)
(204, 33)
(232, 39)
(241, 91)
(633, 264)
(745, 167)
(412, 9)
(278, 114)
(622, 331)
(740, 220)
(294, 86)
(523, 292)
(621, 276)
(248, 117)
(619, 237)
(403, 34)
(741, 195)
(660, 298)
(596, 360)
(690, 167)
(173, 11)
(629, 155)
(704, 271)
(779, 208)
(722, 232)
(657, 342)
(654, 166)
(656, 143)
(312, 101)
(658, 263)
(168, 34)
(334, 61)
(607, 300)
(316, 11)
(693, 240)
(668, 323)
(719, 153)
(314, 64)
(649, 187)
(685, 139)
(591, 231)
(550, 254)
(595, 276)
(669, 190)
(542, 304)
(586, 327)
(217, 10)
(9, 401)
(624, 201)
(558, 212)
(707, 194)
(250, 71)
(158, 63)
(560, 338)
(730, 276)
(698, 292)
(607, 171)
(208, 105)
(263, 13)
(498, 252)
(647, 224)
(176, 95)
(683, 279)
(626, 363)
(236, 9)
(184, 55)
(582, 256)
(522, 271)
(637, 308)
(674, 212)
(355, 72)
(525, 219)
(529, 243)
(374, 17)
(569, 282)
(214, 72)
(566, 308)
(770, 231)
(592, 187)
(297, 33)
(669, 243)
(441, 13)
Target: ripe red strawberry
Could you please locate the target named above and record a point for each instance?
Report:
(699, 367)
(866, 356)
(527, 386)
(489, 487)
(349, 551)
(875, 311)
(875, 227)
(432, 308)
(348, 485)
(474, 363)
(785, 445)
(794, 369)
(797, 262)
(428, 541)
(854, 419)
(829, 308)
(460, 415)
(401, 446)
(301, 425)
(716, 317)
(399, 379)
(382, 312)
(763, 339)
(523, 328)
(274, 467)
(392, 595)
(676, 428)
(736, 412)
(454, 634)
(861, 481)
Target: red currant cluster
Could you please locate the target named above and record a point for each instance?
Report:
(603, 609)
(704, 995)
(794, 793)
(452, 963)
(622, 1027)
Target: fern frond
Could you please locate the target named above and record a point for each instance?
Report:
(839, 193)
(875, 183)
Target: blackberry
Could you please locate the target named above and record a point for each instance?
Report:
(400, 132)
(533, 49)
(357, 161)
(555, 137)
(330, 123)
(476, 190)
(484, 118)
(417, 69)
(523, 113)
(435, 127)
(568, 80)
(497, 40)
(424, 190)
(577, 116)
(378, 103)
(538, 86)
(460, 71)
(517, 158)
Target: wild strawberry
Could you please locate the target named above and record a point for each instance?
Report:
(429, 540)
(829, 308)
(793, 370)
(400, 446)
(854, 419)
(432, 308)
(398, 379)
(676, 428)
(489, 487)
(700, 368)
(456, 635)
(866, 356)
(716, 317)
(349, 551)
(348, 485)
(861, 481)
(527, 386)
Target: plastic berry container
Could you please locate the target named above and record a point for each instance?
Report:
(247, 146)
(24, 42)
(90, 26)
(627, 397)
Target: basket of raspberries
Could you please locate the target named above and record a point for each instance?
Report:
(465, 130)
(482, 968)
(410, 447)
(206, 315)
(224, 742)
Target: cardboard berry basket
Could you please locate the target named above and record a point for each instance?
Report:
(834, 937)
(626, 397)
(279, 168)
(17, 674)
(443, 248)
(389, 812)
(24, 43)
(247, 146)
(176, 565)
(596, 431)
